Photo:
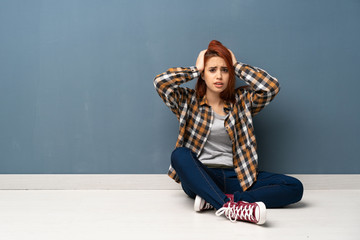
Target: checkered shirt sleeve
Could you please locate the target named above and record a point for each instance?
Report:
(264, 86)
(167, 85)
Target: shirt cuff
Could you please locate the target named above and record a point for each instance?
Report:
(239, 65)
(194, 72)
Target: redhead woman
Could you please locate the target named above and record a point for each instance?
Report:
(215, 158)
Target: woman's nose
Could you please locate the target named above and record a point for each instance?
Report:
(218, 75)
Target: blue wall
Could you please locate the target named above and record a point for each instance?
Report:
(76, 91)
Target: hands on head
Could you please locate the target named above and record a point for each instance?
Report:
(200, 60)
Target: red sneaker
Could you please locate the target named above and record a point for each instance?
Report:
(230, 196)
(243, 211)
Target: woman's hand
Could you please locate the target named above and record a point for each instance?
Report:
(200, 61)
(233, 57)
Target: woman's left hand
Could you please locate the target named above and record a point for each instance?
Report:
(200, 61)
(233, 57)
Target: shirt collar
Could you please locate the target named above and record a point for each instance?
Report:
(204, 101)
(227, 105)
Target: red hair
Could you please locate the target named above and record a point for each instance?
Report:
(216, 49)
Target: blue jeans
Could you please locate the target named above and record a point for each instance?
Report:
(274, 190)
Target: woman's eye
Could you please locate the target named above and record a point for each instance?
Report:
(225, 70)
(212, 70)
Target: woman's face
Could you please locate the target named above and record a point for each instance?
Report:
(216, 75)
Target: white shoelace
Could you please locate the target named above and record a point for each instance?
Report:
(234, 212)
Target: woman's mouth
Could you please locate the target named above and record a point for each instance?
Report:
(219, 84)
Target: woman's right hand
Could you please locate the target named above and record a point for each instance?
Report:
(200, 61)
(232, 57)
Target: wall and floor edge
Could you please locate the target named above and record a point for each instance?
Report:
(149, 182)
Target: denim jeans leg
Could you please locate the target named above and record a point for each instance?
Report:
(195, 177)
(274, 190)
(231, 181)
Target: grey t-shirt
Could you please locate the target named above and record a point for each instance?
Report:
(217, 151)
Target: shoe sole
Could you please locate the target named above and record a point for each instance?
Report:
(261, 213)
(198, 203)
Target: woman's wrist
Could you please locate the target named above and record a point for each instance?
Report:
(200, 61)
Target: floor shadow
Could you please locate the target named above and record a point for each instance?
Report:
(267, 224)
(301, 204)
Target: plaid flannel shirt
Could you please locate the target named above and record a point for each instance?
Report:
(196, 116)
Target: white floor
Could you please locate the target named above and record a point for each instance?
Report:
(167, 214)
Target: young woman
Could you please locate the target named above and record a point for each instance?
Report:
(215, 157)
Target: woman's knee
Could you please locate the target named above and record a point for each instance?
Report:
(297, 188)
(179, 156)
(188, 191)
